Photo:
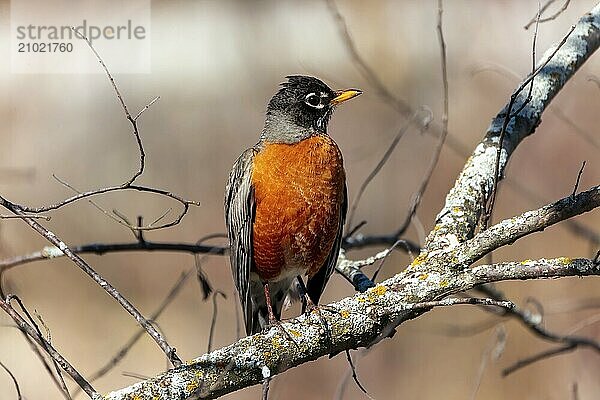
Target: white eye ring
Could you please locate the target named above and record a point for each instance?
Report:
(310, 98)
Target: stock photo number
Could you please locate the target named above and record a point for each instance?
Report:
(44, 47)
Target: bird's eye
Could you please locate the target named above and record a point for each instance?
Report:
(313, 100)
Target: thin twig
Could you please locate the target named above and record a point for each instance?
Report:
(133, 121)
(128, 184)
(15, 382)
(341, 387)
(577, 181)
(51, 252)
(386, 155)
(357, 242)
(551, 17)
(538, 357)
(354, 375)
(213, 322)
(534, 323)
(104, 284)
(361, 64)
(61, 380)
(536, 17)
(416, 200)
(56, 356)
(492, 199)
(491, 352)
(35, 349)
(265, 388)
(46, 217)
(81, 195)
(124, 350)
(376, 273)
(508, 115)
(556, 110)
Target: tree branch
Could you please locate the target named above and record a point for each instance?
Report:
(460, 215)
(356, 321)
(366, 318)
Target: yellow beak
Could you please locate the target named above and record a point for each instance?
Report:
(343, 95)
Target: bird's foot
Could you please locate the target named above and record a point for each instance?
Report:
(310, 307)
(274, 322)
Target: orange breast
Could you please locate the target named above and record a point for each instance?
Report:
(298, 191)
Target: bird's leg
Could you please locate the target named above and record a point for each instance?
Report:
(309, 306)
(273, 321)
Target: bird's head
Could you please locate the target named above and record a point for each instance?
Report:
(302, 108)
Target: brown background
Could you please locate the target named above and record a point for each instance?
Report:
(215, 65)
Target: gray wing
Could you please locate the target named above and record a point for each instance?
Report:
(239, 218)
(316, 284)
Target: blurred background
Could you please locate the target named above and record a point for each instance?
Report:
(215, 64)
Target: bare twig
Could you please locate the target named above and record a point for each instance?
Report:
(554, 109)
(105, 248)
(46, 217)
(416, 200)
(535, 324)
(341, 387)
(491, 352)
(551, 17)
(541, 10)
(56, 356)
(61, 380)
(15, 382)
(577, 181)
(133, 121)
(104, 284)
(124, 350)
(51, 252)
(355, 376)
(129, 183)
(35, 349)
(529, 81)
(509, 115)
(213, 321)
(380, 266)
(386, 155)
(361, 64)
(539, 357)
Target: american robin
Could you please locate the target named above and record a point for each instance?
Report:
(286, 201)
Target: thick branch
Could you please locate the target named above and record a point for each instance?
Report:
(458, 219)
(357, 321)
(509, 230)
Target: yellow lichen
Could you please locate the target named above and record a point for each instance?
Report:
(275, 342)
(192, 386)
(294, 332)
(379, 290)
(345, 313)
(525, 262)
(443, 283)
(419, 260)
(565, 260)
(424, 276)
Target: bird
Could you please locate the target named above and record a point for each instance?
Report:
(286, 202)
